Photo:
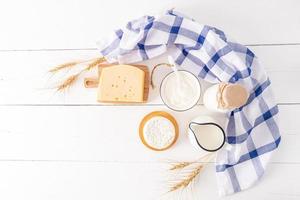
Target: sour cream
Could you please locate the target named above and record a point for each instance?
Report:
(180, 90)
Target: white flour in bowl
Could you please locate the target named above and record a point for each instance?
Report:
(159, 132)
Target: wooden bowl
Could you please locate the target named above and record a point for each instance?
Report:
(158, 114)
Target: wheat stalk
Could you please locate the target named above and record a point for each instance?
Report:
(68, 82)
(95, 63)
(180, 165)
(72, 79)
(63, 66)
(185, 171)
(188, 180)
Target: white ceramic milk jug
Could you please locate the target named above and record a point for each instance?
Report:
(206, 134)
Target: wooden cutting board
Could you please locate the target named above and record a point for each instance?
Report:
(92, 82)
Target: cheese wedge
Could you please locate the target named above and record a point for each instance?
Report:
(121, 83)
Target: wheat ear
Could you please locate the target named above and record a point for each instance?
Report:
(180, 165)
(63, 66)
(188, 180)
(95, 62)
(68, 82)
(72, 79)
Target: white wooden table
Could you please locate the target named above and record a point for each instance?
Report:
(66, 146)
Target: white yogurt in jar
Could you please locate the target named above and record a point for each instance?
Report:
(180, 90)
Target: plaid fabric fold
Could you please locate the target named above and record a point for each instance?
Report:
(252, 130)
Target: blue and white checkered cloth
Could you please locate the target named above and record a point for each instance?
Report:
(252, 131)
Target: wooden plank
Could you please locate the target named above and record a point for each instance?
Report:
(278, 57)
(78, 24)
(61, 180)
(50, 151)
(109, 133)
(24, 78)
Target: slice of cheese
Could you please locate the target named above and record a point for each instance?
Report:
(121, 83)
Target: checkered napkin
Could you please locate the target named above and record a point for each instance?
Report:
(252, 131)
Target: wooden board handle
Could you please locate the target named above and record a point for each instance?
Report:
(91, 82)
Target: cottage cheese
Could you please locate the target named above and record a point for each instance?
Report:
(159, 132)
